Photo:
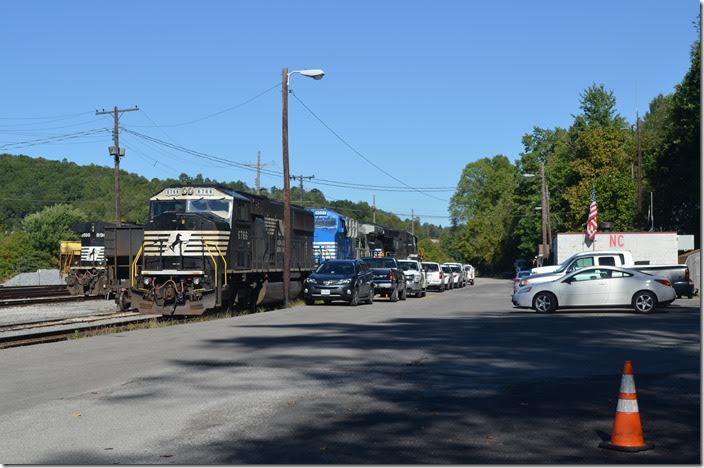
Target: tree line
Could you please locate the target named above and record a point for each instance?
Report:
(40, 199)
(495, 214)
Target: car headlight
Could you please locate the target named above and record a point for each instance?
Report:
(523, 283)
(311, 280)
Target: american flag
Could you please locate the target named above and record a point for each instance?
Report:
(591, 220)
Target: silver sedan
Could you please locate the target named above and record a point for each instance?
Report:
(597, 287)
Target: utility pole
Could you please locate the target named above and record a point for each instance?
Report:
(117, 152)
(287, 186)
(374, 209)
(544, 209)
(413, 222)
(639, 169)
(300, 179)
(259, 166)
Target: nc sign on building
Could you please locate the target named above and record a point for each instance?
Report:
(655, 248)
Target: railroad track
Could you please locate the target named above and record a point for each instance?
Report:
(46, 331)
(21, 295)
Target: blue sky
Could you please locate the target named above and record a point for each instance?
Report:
(421, 88)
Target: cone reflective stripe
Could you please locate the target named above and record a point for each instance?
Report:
(627, 433)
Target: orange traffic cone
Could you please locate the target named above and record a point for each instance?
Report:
(627, 433)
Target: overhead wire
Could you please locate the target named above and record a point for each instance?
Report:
(359, 153)
(215, 114)
(52, 139)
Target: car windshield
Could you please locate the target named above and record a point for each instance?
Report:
(431, 267)
(380, 262)
(456, 268)
(336, 268)
(446, 269)
(405, 266)
(564, 264)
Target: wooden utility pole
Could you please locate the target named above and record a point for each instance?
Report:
(544, 209)
(300, 179)
(639, 169)
(413, 222)
(374, 209)
(259, 166)
(117, 152)
(287, 186)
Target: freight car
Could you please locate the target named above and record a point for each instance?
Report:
(211, 247)
(387, 242)
(102, 266)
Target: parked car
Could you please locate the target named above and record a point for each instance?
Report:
(520, 274)
(457, 268)
(678, 275)
(597, 287)
(456, 274)
(340, 280)
(434, 275)
(415, 277)
(389, 280)
(448, 276)
(469, 273)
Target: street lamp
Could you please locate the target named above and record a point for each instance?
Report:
(316, 74)
(545, 209)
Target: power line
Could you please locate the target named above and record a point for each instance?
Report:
(54, 118)
(272, 173)
(228, 109)
(358, 153)
(41, 141)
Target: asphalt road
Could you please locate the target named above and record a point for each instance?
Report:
(457, 377)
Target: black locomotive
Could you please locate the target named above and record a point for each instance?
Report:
(214, 247)
(384, 241)
(103, 266)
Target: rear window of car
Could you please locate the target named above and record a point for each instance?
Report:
(446, 269)
(380, 262)
(609, 261)
(431, 267)
(405, 266)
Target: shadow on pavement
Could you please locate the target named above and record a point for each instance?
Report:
(495, 388)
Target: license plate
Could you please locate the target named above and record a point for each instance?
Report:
(325, 292)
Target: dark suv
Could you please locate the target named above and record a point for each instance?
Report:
(340, 280)
(389, 279)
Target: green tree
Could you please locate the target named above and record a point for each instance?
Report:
(674, 175)
(601, 147)
(431, 251)
(17, 256)
(47, 228)
(483, 207)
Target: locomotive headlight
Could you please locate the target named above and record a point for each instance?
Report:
(196, 281)
(146, 281)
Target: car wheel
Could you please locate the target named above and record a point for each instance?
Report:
(394, 296)
(644, 302)
(355, 297)
(689, 296)
(424, 292)
(310, 301)
(370, 299)
(545, 302)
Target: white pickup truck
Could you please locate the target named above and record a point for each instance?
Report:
(678, 275)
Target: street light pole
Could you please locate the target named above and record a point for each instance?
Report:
(287, 186)
(285, 74)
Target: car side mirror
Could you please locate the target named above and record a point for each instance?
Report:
(569, 280)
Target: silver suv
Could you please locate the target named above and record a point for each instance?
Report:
(416, 281)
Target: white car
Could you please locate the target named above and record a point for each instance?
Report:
(416, 283)
(597, 287)
(435, 278)
(469, 272)
(456, 275)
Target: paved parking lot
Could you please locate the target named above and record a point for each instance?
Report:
(456, 377)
